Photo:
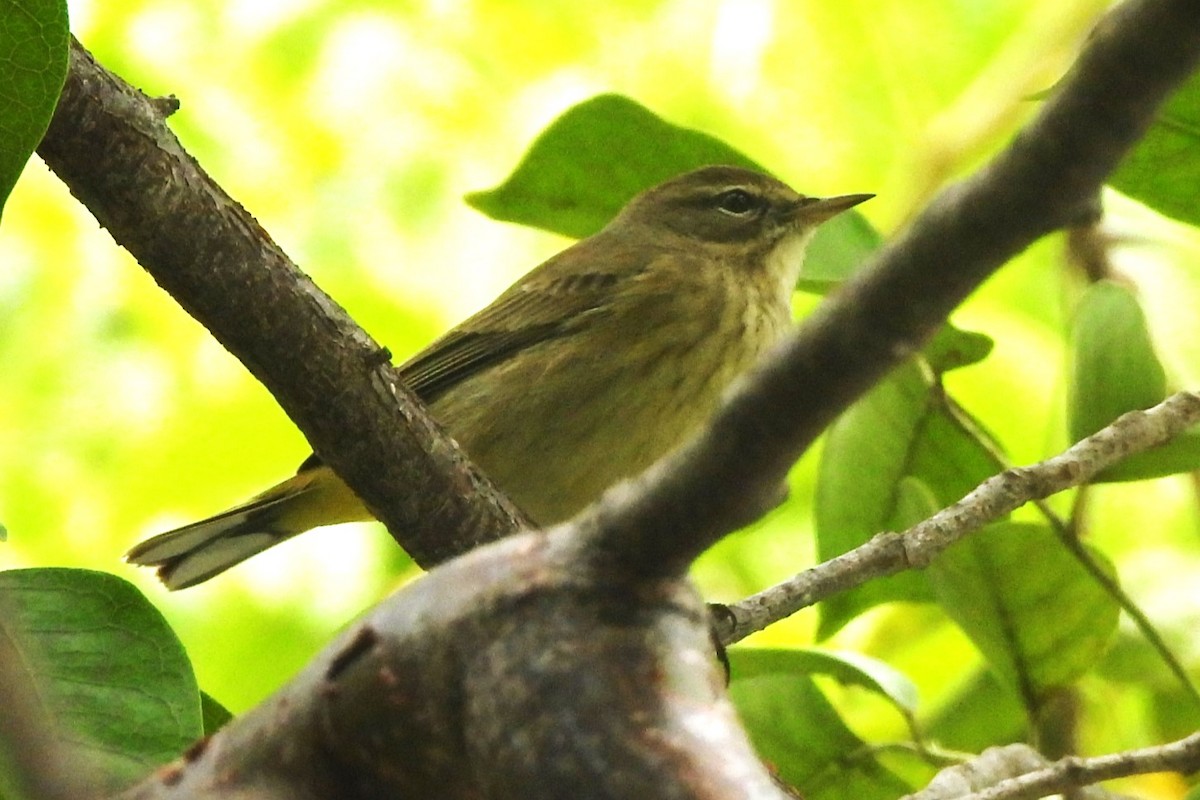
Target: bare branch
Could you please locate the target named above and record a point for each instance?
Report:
(890, 553)
(110, 144)
(1017, 772)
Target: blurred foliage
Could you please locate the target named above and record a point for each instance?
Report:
(353, 130)
(1161, 170)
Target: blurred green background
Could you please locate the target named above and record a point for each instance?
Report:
(353, 129)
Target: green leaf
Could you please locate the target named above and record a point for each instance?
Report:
(1033, 611)
(836, 252)
(215, 715)
(110, 672)
(894, 457)
(1114, 367)
(980, 713)
(862, 463)
(1164, 169)
(1181, 454)
(915, 501)
(847, 667)
(594, 158)
(953, 348)
(950, 453)
(801, 735)
(33, 50)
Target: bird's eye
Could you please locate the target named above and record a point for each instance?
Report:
(737, 202)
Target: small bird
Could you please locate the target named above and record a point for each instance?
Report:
(583, 372)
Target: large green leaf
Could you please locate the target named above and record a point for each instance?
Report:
(592, 160)
(801, 735)
(863, 462)
(600, 153)
(980, 713)
(1115, 369)
(109, 671)
(33, 50)
(892, 459)
(847, 667)
(1164, 169)
(1034, 612)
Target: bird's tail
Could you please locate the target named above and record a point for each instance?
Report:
(194, 553)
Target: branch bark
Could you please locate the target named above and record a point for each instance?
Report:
(889, 553)
(110, 144)
(1018, 772)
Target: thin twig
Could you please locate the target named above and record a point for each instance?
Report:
(1181, 756)
(1069, 537)
(889, 553)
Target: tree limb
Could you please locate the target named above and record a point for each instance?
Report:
(110, 144)
(890, 553)
(1017, 772)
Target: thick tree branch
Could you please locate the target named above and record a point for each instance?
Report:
(505, 673)
(889, 553)
(1047, 177)
(110, 144)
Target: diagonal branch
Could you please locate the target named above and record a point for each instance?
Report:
(1046, 178)
(110, 144)
(1182, 755)
(1016, 772)
(890, 553)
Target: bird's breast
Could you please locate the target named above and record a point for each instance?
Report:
(562, 421)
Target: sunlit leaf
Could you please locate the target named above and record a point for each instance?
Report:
(1115, 369)
(600, 153)
(893, 458)
(1037, 616)
(591, 160)
(953, 348)
(847, 667)
(800, 735)
(1164, 169)
(110, 672)
(33, 50)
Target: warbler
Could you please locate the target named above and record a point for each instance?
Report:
(585, 371)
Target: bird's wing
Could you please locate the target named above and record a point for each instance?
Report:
(523, 316)
(551, 302)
